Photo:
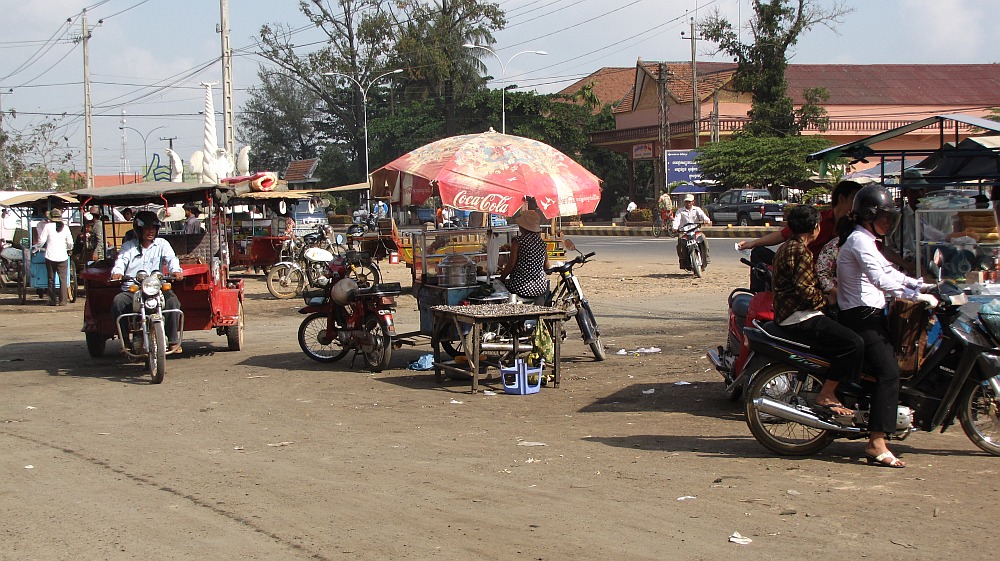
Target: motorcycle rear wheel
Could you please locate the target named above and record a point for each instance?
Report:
(283, 282)
(657, 228)
(156, 358)
(312, 342)
(596, 345)
(778, 435)
(978, 412)
(377, 345)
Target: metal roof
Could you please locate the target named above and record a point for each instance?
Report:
(862, 148)
(35, 197)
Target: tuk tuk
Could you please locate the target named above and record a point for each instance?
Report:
(209, 299)
(30, 208)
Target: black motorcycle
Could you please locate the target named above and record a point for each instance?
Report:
(569, 296)
(958, 378)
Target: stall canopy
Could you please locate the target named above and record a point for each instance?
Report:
(861, 149)
(168, 191)
(972, 158)
(34, 197)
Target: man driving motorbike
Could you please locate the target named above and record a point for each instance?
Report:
(688, 214)
(146, 252)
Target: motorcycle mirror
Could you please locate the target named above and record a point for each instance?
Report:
(569, 245)
(937, 260)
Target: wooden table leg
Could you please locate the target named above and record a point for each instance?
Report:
(436, 329)
(556, 332)
(474, 359)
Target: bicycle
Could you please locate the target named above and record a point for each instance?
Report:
(663, 223)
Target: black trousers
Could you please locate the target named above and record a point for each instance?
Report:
(880, 361)
(123, 304)
(60, 268)
(763, 255)
(844, 348)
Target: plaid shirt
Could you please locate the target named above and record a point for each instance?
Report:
(794, 279)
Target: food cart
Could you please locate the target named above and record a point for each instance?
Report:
(30, 208)
(209, 298)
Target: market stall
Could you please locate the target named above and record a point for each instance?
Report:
(486, 174)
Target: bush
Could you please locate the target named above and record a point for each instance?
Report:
(641, 215)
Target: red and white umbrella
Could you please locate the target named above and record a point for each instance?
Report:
(490, 172)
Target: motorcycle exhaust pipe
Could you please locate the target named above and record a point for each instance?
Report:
(789, 413)
(715, 359)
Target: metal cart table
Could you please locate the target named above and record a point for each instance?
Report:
(471, 319)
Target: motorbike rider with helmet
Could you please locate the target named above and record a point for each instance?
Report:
(144, 251)
(864, 277)
(688, 214)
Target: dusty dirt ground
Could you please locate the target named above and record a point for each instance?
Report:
(264, 454)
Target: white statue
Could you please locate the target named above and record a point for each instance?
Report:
(176, 166)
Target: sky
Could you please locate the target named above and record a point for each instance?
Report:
(147, 57)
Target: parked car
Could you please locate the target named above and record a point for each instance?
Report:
(746, 207)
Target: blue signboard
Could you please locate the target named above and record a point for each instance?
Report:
(681, 166)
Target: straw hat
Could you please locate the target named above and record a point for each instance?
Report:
(55, 215)
(530, 221)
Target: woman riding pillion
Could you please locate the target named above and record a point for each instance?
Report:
(864, 277)
(691, 214)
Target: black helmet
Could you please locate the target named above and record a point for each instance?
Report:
(871, 201)
(145, 219)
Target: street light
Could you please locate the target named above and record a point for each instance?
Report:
(503, 76)
(364, 104)
(145, 155)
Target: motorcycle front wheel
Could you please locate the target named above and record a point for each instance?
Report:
(377, 344)
(284, 282)
(696, 263)
(778, 435)
(588, 324)
(980, 418)
(157, 355)
(314, 341)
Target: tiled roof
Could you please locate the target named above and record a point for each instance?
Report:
(848, 84)
(301, 170)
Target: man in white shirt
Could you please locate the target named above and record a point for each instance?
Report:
(146, 252)
(690, 214)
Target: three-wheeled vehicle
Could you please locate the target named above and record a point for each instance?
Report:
(209, 299)
(33, 274)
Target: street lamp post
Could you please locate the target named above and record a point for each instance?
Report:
(145, 154)
(503, 76)
(364, 104)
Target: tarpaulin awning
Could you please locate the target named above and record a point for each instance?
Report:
(147, 191)
(35, 197)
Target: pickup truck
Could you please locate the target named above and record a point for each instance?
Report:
(746, 207)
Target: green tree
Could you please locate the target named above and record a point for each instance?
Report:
(760, 162)
(358, 45)
(32, 158)
(430, 44)
(775, 27)
(279, 121)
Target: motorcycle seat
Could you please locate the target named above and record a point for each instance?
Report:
(775, 331)
(385, 289)
(740, 303)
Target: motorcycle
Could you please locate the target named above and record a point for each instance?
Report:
(346, 317)
(11, 265)
(569, 296)
(745, 306)
(364, 222)
(688, 236)
(144, 326)
(958, 378)
(305, 261)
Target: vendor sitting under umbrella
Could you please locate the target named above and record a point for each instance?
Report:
(524, 273)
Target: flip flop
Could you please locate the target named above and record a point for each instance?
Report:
(885, 459)
(828, 409)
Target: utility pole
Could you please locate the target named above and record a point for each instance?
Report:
(660, 157)
(87, 117)
(695, 102)
(228, 131)
(124, 166)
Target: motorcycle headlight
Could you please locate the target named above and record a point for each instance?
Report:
(151, 303)
(151, 285)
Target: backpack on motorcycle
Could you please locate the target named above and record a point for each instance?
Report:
(907, 329)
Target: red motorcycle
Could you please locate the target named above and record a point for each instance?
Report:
(745, 306)
(345, 317)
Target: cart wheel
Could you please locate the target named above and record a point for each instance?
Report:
(23, 288)
(96, 344)
(234, 333)
(72, 286)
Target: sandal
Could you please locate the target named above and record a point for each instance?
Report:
(830, 409)
(885, 459)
